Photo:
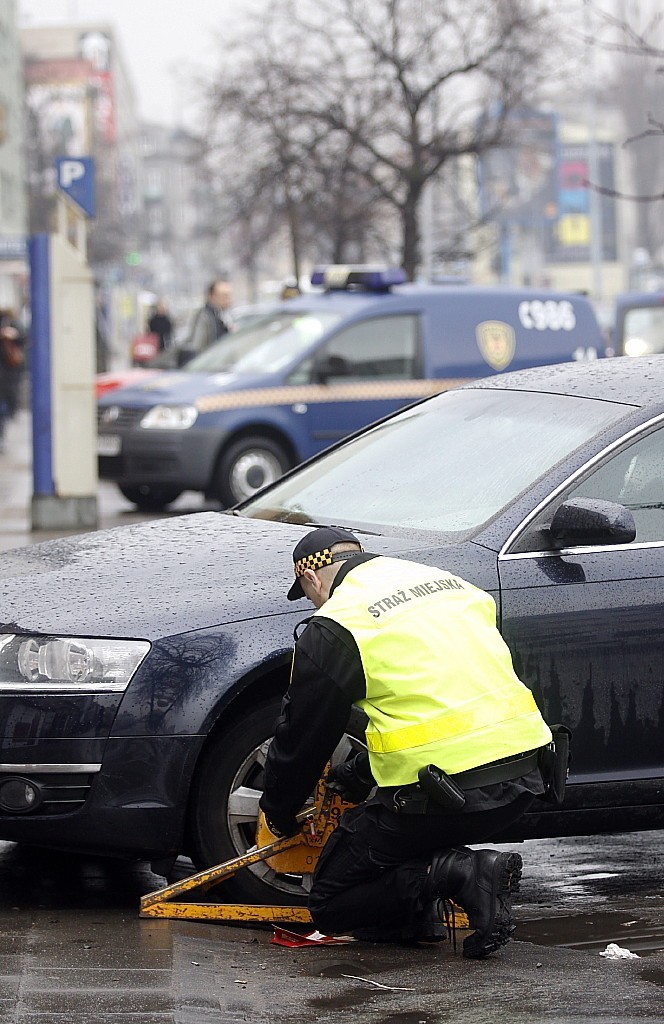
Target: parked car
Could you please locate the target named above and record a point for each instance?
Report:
(110, 380)
(141, 668)
(318, 368)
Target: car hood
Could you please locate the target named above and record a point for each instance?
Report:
(157, 578)
(173, 388)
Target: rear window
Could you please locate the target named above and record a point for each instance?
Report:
(446, 466)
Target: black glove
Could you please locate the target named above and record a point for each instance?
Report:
(286, 828)
(281, 825)
(352, 779)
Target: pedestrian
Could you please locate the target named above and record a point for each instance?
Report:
(102, 332)
(161, 324)
(290, 289)
(211, 322)
(12, 365)
(417, 649)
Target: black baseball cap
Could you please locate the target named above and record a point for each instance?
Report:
(314, 551)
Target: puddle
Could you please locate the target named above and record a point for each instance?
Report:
(361, 967)
(412, 1017)
(593, 932)
(654, 977)
(340, 1002)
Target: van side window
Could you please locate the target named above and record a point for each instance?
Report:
(383, 348)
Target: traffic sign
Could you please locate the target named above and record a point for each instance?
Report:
(76, 178)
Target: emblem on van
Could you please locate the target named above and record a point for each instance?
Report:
(496, 341)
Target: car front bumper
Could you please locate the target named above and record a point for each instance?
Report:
(118, 811)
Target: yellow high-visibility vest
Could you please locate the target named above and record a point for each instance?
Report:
(440, 685)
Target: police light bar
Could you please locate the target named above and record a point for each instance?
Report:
(345, 277)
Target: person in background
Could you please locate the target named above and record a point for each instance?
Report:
(211, 322)
(161, 324)
(12, 365)
(102, 331)
(290, 289)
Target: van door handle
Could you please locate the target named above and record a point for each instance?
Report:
(300, 407)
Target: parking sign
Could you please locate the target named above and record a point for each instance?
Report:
(76, 178)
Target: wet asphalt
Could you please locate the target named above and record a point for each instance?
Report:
(73, 949)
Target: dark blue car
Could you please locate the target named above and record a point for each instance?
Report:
(141, 668)
(317, 369)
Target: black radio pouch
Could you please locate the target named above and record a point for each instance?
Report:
(440, 787)
(553, 762)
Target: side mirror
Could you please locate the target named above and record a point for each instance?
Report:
(582, 521)
(330, 366)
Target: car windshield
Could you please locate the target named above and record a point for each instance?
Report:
(643, 333)
(446, 466)
(265, 346)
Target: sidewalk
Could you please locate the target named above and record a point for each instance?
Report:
(16, 494)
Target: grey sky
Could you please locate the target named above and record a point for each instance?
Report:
(160, 39)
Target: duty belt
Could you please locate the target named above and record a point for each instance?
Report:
(411, 800)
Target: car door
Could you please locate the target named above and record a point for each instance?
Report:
(365, 371)
(586, 624)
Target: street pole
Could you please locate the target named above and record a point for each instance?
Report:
(40, 367)
(595, 199)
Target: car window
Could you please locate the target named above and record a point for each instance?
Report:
(445, 466)
(634, 478)
(383, 348)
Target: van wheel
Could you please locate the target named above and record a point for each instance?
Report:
(246, 466)
(150, 499)
(224, 806)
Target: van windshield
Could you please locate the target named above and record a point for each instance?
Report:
(265, 346)
(448, 465)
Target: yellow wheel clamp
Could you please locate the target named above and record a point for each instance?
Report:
(296, 855)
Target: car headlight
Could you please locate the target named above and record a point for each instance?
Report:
(170, 417)
(49, 664)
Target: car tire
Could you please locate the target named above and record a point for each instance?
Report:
(224, 806)
(246, 466)
(150, 499)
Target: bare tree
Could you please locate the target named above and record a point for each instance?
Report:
(275, 169)
(376, 97)
(632, 31)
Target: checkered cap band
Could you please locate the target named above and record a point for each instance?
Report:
(315, 561)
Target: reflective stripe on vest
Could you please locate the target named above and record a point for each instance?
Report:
(440, 686)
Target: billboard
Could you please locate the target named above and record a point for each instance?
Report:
(72, 103)
(569, 235)
(518, 182)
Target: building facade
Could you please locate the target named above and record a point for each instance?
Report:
(13, 220)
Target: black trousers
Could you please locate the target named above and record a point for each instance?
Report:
(372, 872)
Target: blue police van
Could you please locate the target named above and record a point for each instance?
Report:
(318, 368)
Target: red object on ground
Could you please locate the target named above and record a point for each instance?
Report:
(282, 937)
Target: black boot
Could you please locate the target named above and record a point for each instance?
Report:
(482, 883)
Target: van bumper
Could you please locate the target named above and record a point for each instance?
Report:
(178, 458)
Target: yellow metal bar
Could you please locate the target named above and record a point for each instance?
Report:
(296, 854)
(205, 879)
(242, 912)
